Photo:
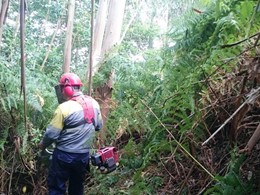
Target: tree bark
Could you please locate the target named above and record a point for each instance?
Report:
(99, 31)
(111, 39)
(113, 26)
(3, 7)
(68, 41)
(252, 141)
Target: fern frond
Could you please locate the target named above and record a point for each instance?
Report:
(3, 137)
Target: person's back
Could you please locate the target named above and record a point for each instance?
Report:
(72, 129)
(69, 128)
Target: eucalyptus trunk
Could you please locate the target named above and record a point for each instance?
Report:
(99, 31)
(113, 26)
(3, 7)
(110, 40)
(68, 41)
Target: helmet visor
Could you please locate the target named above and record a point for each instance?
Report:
(59, 95)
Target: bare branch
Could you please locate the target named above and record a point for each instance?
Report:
(237, 43)
(251, 98)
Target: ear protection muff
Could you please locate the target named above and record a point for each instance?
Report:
(68, 91)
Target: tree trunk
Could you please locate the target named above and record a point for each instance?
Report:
(68, 41)
(3, 7)
(99, 31)
(111, 38)
(113, 26)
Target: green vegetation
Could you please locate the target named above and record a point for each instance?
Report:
(166, 100)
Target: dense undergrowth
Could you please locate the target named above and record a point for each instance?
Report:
(198, 85)
(162, 113)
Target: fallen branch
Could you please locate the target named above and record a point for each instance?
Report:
(252, 141)
(237, 43)
(251, 98)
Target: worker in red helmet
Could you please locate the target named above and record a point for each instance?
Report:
(72, 129)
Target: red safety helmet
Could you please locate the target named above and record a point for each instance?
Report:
(67, 82)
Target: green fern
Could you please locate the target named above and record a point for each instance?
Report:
(231, 182)
(3, 137)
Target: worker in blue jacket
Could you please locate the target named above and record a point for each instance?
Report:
(72, 129)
